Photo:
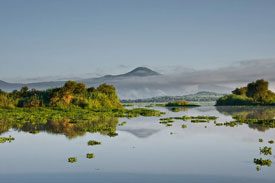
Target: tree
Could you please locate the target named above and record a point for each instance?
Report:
(24, 89)
(240, 91)
(107, 89)
(257, 90)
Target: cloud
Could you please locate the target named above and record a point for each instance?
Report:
(221, 80)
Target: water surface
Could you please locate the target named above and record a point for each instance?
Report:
(144, 151)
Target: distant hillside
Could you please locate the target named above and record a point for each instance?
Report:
(203, 96)
(139, 83)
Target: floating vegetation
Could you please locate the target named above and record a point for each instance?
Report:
(266, 150)
(258, 168)
(184, 126)
(93, 142)
(166, 121)
(205, 126)
(90, 155)
(175, 109)
(270, 123)
(271, 142)
(122, 124)
(262, 162)
(34, 131)
(112, 134)
(219, 124)
(230, 124)
(143, 112)
(6, 139)
(128, 105)
(261, 140)
(171, 133)
(199, 121)
(149, 105)
(72, 159)
(206, 118)
(180, 103)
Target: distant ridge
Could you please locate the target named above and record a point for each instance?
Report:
(137, 72)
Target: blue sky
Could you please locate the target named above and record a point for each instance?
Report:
(88, 38)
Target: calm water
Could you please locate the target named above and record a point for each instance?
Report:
(145, 151)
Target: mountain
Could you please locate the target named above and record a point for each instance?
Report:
(140, 72)
(141, 82)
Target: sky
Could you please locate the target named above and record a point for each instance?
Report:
(51, 39)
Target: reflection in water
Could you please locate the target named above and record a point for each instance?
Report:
(101, 124)
(177, 109)
(249, 112)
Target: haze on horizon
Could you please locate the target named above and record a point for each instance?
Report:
(48, 40)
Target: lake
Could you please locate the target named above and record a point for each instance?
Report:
(145, 150)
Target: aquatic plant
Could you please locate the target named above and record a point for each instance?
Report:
(230, 124)
(122, 124)
(262, 162)
(199, 121)
(261, 140)
(271, 142)
(93, 142)
(72, 159)
(266, 150)
(258, 168)
(180, 103)
(128, 105)
(112, 134)
(184, 126)
(6, 139)
(219, 124)
(90, 155)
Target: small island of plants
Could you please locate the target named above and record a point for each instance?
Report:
(255, 93)
(180, 103)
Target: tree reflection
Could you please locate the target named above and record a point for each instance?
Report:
(249, 112)
(70, 129)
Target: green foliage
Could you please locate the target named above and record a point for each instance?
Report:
(235, 100)
(271, 142)
(122, 124)
(261, 140)
(93, 142)
(90, 155)
(71, 95)
(266, 150)
(256, 93)
(6, 139)
(184, 126)
(180, 103)
(112, 134)
(72, 159)
(262, 162)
